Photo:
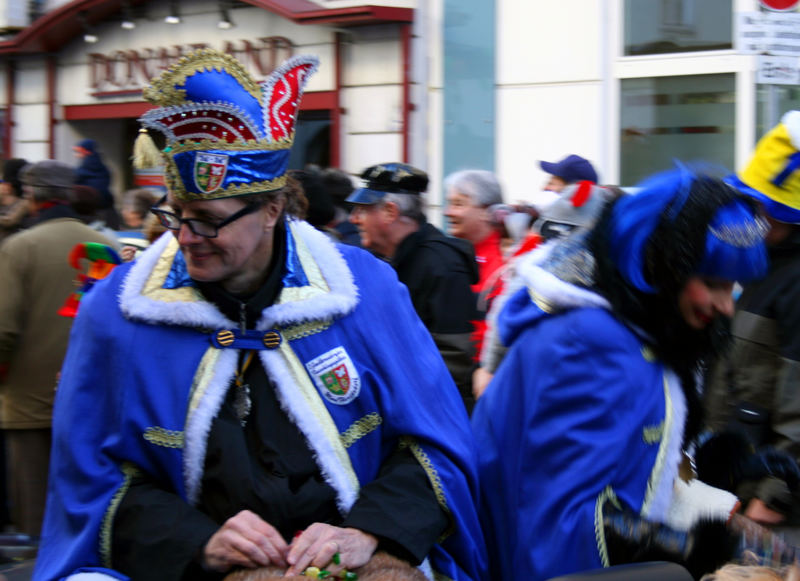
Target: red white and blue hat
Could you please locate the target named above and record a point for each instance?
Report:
(227, 135)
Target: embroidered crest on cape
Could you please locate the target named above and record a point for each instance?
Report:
(209, 171)
(335, 376)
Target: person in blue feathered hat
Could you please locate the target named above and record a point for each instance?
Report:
(581, 433)
(243, 396)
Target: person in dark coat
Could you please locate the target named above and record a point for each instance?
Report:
(92, 172)
(437, 269)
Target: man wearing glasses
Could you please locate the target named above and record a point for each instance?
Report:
(241, 396)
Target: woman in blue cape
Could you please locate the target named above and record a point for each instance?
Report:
(247, 394)
(583, 430)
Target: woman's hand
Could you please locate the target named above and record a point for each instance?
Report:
(317, 545)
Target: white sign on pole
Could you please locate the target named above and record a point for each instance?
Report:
(778, 70)
(751, 33)
(774, 33)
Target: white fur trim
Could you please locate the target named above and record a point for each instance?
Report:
(139, 307)
(663, 487)
(198, 424)
(343, 295)
(342, 298)
(694, 500)
(551, 288)
(792, 122)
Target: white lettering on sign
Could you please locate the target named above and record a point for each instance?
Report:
(129, 70)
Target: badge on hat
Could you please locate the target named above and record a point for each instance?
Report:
(209, 171)
(335, 376)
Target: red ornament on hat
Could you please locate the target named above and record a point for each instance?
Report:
(582, 193)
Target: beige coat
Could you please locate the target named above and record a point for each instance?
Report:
(35, 280)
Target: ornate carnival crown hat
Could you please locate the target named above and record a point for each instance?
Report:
(227, 135)
(773, 174)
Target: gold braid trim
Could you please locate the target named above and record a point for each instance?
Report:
(305, 330)
(175, 185)
(129, 471)
(607, 495)
(162, 89)
(653, 434)
(360, 428)
(661, 456)
(214, 144)
(202, 378)
(163, 437)
(433, 477)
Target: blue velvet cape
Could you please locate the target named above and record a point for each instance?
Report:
(579, 413)
(142, 383)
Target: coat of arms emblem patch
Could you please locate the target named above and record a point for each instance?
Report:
(209, 171)
(335, 376)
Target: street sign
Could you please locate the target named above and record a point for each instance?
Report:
(780, 5)
(778, 70)
(768, 32)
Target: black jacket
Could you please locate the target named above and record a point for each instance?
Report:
(438, 271)
(754, 387)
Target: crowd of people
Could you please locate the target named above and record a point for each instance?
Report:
(292, 373)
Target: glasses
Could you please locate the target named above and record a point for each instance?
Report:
(198, 227)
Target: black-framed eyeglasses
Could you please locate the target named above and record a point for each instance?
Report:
(198, 226)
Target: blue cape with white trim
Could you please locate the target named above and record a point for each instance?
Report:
(578, 414)
(142, 383)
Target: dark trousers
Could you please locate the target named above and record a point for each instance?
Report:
(28, 454)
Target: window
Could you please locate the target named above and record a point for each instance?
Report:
(668, 26)
(686, 118)
(312, 140)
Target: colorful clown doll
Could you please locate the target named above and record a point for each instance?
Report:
(753, 392)
(98, 260)
(242, 396)
(583, 432)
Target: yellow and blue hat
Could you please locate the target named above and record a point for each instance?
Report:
(227, 135)
(773, 174)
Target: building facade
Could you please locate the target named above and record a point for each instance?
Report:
(442, 84)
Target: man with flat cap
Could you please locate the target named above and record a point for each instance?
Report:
(570, 170)
(437, 269)
(37, 278)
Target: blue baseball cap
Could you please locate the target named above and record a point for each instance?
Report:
(572, 168)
